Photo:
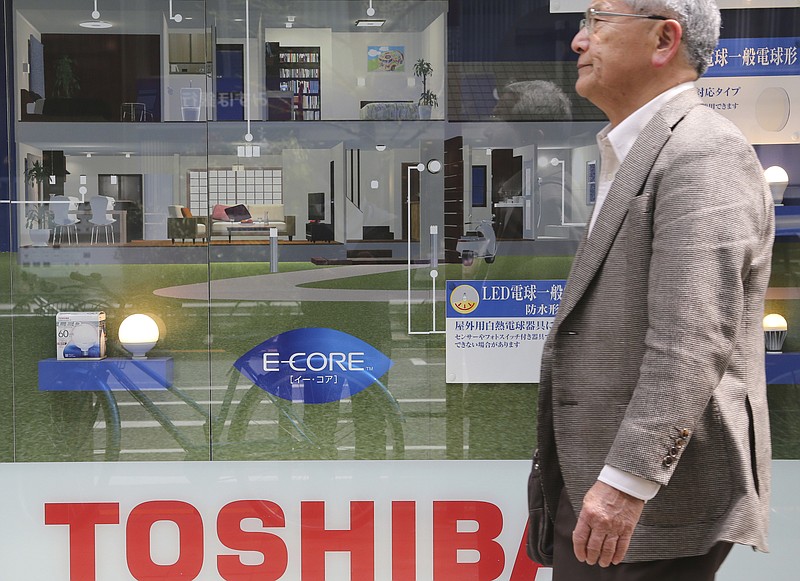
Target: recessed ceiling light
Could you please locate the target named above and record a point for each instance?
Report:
(96, 24)
(371, 22)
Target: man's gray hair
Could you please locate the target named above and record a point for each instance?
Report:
(699, 19)
(541, 100)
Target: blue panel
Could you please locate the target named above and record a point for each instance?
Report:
(230, 84)
(755, 57)
(503, 298)
(37, 66)
(115, 374)
(783, 368)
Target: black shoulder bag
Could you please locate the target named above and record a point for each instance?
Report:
(541, 529)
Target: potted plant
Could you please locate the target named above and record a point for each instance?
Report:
(65, 81)
(36, 175)
(427, 99)
(38, 218)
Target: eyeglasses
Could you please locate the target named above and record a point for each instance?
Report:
(591, 18)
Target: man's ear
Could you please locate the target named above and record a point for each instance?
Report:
(669, 42)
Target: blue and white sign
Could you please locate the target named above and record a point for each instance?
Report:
(313, 365)
(496, 329)
(752, 82)
(755, 57)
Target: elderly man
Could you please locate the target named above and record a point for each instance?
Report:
(653, 428)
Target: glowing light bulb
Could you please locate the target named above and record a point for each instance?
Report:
(138, 334)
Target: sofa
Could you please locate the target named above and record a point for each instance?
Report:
(182, 224)
(271, 214)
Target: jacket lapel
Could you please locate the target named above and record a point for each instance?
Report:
(628, 183)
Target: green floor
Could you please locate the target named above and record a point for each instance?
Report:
(419, 416)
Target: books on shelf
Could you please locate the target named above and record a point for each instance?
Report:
(296, 70)
(299, 73)
(298, 57)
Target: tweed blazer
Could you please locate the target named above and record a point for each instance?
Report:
(655, 362)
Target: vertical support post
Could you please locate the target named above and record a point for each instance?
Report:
(434, 246)
(273, 250)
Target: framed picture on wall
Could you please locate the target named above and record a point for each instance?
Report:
(390, 59)
(591, 182)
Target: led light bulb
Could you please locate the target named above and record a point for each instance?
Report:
(138, 334)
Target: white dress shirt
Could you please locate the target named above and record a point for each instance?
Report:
(614, 144)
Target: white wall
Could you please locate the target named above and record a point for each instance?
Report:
(350, 65)
(581, 211)
(305, 171)
(343, 59)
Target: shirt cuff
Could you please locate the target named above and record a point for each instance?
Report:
(636, 486)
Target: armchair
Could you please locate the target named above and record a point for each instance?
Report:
(181, 224)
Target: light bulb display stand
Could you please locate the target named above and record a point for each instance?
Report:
(110, 374)
(783, 368)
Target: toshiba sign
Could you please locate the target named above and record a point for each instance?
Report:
(363, 521)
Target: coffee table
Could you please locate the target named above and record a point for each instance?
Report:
(239, 228)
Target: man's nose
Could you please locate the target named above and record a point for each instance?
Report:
(580, 41)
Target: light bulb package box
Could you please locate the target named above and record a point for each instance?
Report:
(80, 335)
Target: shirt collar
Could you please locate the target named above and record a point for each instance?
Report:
(623, 136)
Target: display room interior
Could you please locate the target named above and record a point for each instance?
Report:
(258, 174)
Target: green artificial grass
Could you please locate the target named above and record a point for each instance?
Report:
(504, 268)
(438, 420)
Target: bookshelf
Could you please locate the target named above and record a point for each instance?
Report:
(294, 71)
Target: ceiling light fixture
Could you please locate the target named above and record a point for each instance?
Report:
(95, 22)
(370, 10)
(380, 147)
(370, 22)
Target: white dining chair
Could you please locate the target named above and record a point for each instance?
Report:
(101, 205)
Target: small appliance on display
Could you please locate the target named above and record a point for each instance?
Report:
(81, 335)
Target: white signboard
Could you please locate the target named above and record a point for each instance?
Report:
(496, 329)
(752, 82)
(287, 521)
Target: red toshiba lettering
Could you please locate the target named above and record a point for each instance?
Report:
(81, 519)
(272, 547)
(447, 540)
(404, 540)
(359, 540)
(190, 530)
(524, 569)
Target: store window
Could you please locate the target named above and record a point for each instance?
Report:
(286, 190)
